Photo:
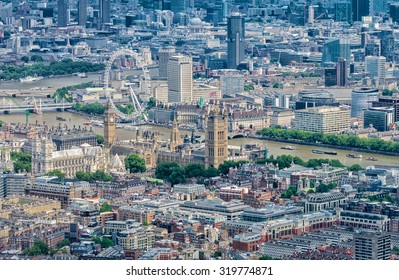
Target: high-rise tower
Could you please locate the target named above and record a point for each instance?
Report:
(216, 136)
(109, 125)
(235, 41)
(105, 11)
(82, 12)
(180, 79)
(62, 13)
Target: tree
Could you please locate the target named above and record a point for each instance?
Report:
(105, 207)
(193, 170)
(56, 172)
(134, 163)
(165, 169)
(177, 176)
(38, 248)
(63, 243)
(211, 172)
(1, 123)
(36, 58)
(225, 166)
(25, 59)
(22, 161)
(100, 139)
(152, 102)
(106, 243)
(355, 167)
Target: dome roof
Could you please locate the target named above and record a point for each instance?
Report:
(196, 21)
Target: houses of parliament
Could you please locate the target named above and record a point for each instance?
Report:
(90, 158)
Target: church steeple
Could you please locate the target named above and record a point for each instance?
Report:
(109, 125)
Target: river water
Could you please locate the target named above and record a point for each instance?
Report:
(303, 151)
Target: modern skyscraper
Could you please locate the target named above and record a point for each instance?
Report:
(82, 12)
(179, 6)
(362, 99)
(360, 8)
(330, 77)
(109, 125)
(180, 79)
(380, 118)
(394, 11)
(336, 48)
(372, 246)
(62, 13)
(378, 7)
(216, 136)
(375, 66)
(105, 11)
(164, 55)
(343, 11)
(235, 40)
(342, 72)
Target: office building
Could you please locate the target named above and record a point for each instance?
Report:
(360, 8)
(335, 49)
(362, 99)
(379, 118)
(49, 187)
(180, 80)
(216, 136)
(82, 12)
(389, 101)
(323, 119)
(394, 12)
(14, 184)
(342, 72)
(62, 13)
(343, 11)
(375, 66)
(232, 82)
(179, 6)
(378, 7)
(235, 40)
(330, 77)
(315, 98)
(105, 11)
(164, 55)
(372, 246)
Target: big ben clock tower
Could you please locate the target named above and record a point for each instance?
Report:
(109, 125)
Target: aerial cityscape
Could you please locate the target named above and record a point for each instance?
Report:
(199, 130)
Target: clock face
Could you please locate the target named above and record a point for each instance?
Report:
(105, 119)
(111, 119)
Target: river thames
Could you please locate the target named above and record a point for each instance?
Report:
(303, 151)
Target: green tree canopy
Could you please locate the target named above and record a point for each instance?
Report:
(193, 170)
(99, 175)
(56, 172)
(355, 167)
(105, 207)
(165, 169)
(100, 139)
(134, 163)
(38, 248)
(63, 243)
(22, 161)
